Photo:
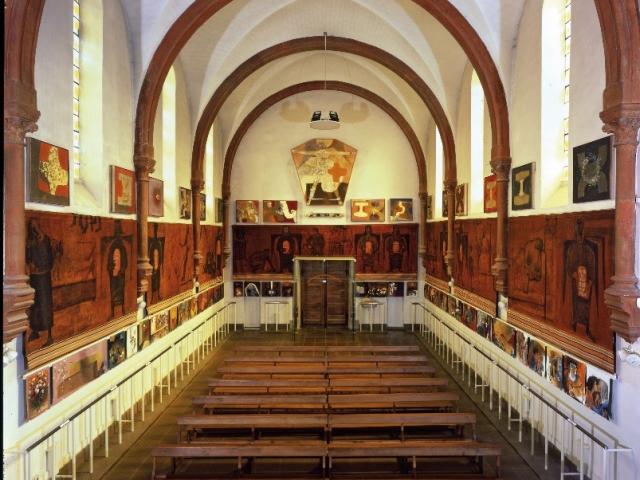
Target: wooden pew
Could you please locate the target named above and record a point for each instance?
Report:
(393, 370)
(272, 371)
(368, 349)
(336, 361)
(393, 401)
(259, 402)
(262, 386)
(385, 385)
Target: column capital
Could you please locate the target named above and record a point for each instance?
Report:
(501, 166)
(143, 160)
(450, 185)
(197, 185)
(623, 123)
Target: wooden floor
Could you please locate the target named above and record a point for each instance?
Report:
(132, 460)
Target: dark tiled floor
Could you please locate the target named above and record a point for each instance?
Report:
(132, 460)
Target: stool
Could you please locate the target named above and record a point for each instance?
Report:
(370, 308)
(277, 304)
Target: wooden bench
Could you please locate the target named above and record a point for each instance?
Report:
(393, 401)
(262, 386)
(369, 349)
(259, 402)
(394, 370)
(375, 359)
(268, 371)
(385, 385)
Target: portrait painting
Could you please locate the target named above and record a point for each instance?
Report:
(555, 367)
(78, 369)
(184, 202)
(504, 337)
(203, 207)
(367, 210)
(123, 187)
(144, 333)
(591, 171)
(156, 197)
(522, 347)
(536, 356)
(412, 289)
(490, 194)
(483, 324)
(37, 392)
(116, 349)
(429, 207)
(599, 391)
(279, 211)
(324, 167)
(219, 205)
(132, 340)
(238, 289)
(48, 175)
(287, 289)
(462, 199)
(247, 211)
(271, 289)
(522, 187)
(401, 210)
(574, 376)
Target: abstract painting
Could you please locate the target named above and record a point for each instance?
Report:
(184, 202)
(591, 171)
(156, 197)
(574, 376)
(219, 204)
(504, 337)
(75, 371)
(279, 211)
(271, 289)
(132, 340)
(247, 211)
(522, 187)
(367, 210)
(48, 174)
(324, 167)
(251, 289)
(37, 387)
(554, 367)
(203, 207)
(490, 194)
(287, 289)
(599, 391)
(462, 199)
(123, 188)
(401, 209)
(536, 357)
(116, 349)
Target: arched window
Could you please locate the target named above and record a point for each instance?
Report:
(476, 183)
(168, 170)
(208, 176)
(75, 146)
(439, 176)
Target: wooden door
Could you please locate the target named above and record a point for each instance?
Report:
(313, 298)
(337, 290)
(324, 293)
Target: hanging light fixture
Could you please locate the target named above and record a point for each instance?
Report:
(329, 121)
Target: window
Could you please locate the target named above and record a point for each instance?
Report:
(567, 83)
(476, 193)
(439, 177)
(75, 154)
(169, 141)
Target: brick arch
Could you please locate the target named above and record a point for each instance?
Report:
(273, 99)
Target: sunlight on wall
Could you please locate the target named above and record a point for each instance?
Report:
(208, 176)
(476, 183)
(439, 177)
(169, 143)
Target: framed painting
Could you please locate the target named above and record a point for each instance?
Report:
(401, 210)
(271, 289)
(75, 371)
(522, 187)
(173, 318)
(219, 204)
(490, 192)
(504, 337)
(522, 347)
(396, 289)
(324, 167)
(554, 367)
(360, 289)
(599, 391)
(483, 324)
(445, 204)
(132, 341)
(462, 199)
(116, 349)
(183, 312)
(367, 210)
(251, 289)
(37, 392)
(429, 207)
(591, 171)
(574, 378)
(123, 188)
(238, 289)
(144, 334)
(247, 211)
(184, 202)
(412, 289)
(287, 289)
(536, 356)
(279, 211)
(48, 173)
(203, 207)
(156, 197)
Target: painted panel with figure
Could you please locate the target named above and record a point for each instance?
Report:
(82, 270)
(475, 242)
(48, 175)
(436, 250)
(211, 246)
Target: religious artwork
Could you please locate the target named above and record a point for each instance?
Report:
(116, 349)
(203, 207)
(271, 289)
(483, 324)
(436, 249)
(554, 367)
(203, 303)
(324, 167)
(591, 171)
(412, 289)
(78, 369)
(184, 202)
(401, 210)
(429, 207)
(48, 175)
(475, 242)
(219, 207)
(238, 289)
(171, 257)
(396, 289)
(37, 387)
(504, 336)
(452, 306)
(445, 203)
(377, 248)
(247, 211)
(522, 187)
(123, 190)
(599, 391)
(144, 333)
(132, 340)
(212, 252)
(536, 356)
(279, 211)
(462, 199)
(82, 270)
(251, 289)
(490, 194)
(156, 197)
(522, 347)
(367, 210)
(156, 259)
(159, 325)
(574, 376)
(287, 289)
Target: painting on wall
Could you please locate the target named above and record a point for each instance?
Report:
(287, 289)
(474, 251)
(522, 187)
(271, 289)
(401, 210)
(554, 367)
(123, 190)
(219, 204)
(203, 207)
(429, 207)
(490, 194)
(279, 211)
(483, 324)
(156, 197)
(247, 211)
(324, 167)
(462, 199)
(184, 202)
(144, 334)
(251, 289)
(367, 210)
(159, 325)
(599, 391)
(183, 312)
(536, 357)
(412, 289)
(591, 171)
(238, 289)
(173, 318)
(212, 251)
(116, 349)
(396, 289)
(504, 337)
(445, 203)
(48, 174)
(37, 392)
(75, 371)
(574, 376)
(522, 347)
(132, 340)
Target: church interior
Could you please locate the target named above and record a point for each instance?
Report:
(363, 239)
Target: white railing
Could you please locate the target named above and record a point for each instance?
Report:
(591, 449)
(124, 403)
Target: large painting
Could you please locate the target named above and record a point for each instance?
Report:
(324, 167)
(279, 211)
(436, 249)
(82, 269)
(377, 248)
(212, 252)
(591, 167)
(522, 187)
(48, 175)
(75, 371)
(367, 210)
(123, 190)
(475, 242)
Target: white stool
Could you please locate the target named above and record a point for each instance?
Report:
(273, 308)
(370, 309)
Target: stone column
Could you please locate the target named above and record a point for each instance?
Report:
(197, 184)
(226, 226)
(622, 296)
(501, 166)
(422, 221)
(450, 189)
(144, 163)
